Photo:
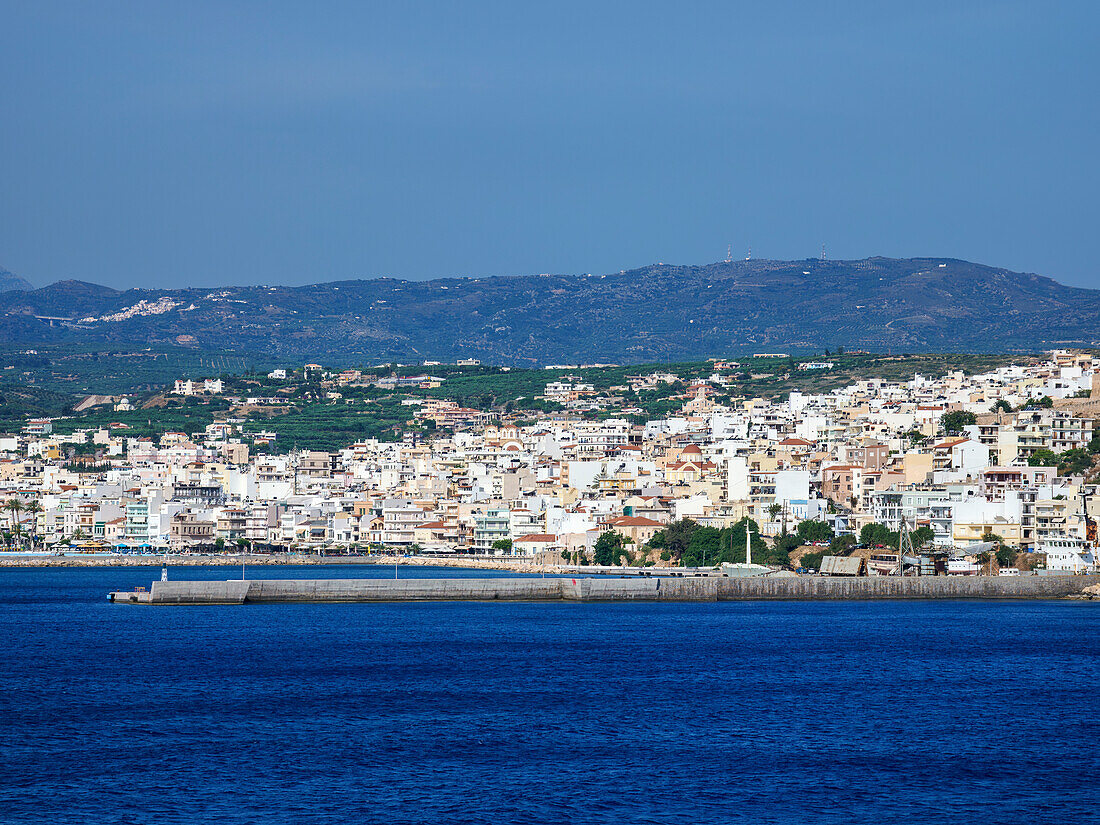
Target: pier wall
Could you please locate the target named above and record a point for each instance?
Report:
(606, 589)
(893, 587)
(199, 592)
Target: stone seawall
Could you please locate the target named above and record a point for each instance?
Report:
(604, 589)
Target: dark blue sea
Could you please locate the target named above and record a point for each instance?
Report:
(962, 712)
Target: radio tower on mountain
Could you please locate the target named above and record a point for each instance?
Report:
(729, 253)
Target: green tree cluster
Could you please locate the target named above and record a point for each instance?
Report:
(611, 549)
(879, 534)
(954, 421)
(693, 545)
(1044, 403)
(874, 533)
(811, 531)
(1006, 556)
(1072, 462)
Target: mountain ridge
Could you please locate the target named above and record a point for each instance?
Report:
(10, 281)
(656, 312)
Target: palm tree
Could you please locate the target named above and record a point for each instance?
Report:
(14, 506)
(34, 508)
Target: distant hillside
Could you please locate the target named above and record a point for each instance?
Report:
(9, 280)
(648, 314)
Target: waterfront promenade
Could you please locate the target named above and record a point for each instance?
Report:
(518, 565)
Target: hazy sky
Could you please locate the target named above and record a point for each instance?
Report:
(202, 143)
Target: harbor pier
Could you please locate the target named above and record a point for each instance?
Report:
(604, 589)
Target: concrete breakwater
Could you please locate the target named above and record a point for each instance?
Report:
(603, 589)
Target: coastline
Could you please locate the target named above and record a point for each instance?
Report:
(270, 560)
(1072, 587)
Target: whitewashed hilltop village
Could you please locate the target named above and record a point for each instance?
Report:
(963, 461)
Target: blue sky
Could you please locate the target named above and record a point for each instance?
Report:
(196, 143)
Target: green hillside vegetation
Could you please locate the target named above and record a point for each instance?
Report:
(310, 420)
(334, 425)
(19, 401)
(78, 369)
(188, 416)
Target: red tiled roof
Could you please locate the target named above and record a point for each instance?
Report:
(944, 445)
(634, 521)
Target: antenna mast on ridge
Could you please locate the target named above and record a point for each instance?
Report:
(823, 252)
(729, 253)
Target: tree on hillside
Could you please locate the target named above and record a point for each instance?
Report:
(780, 551)
(708, 546)
(610, 549)
(733, 542)
(811, 531)
(812, 561)
(842, 545)
(1043, 458)
(675, 538)
(1000, 405)
(704, 549)
(954, 421)
(1074, 462)
(1044, 403)
(873, 534)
